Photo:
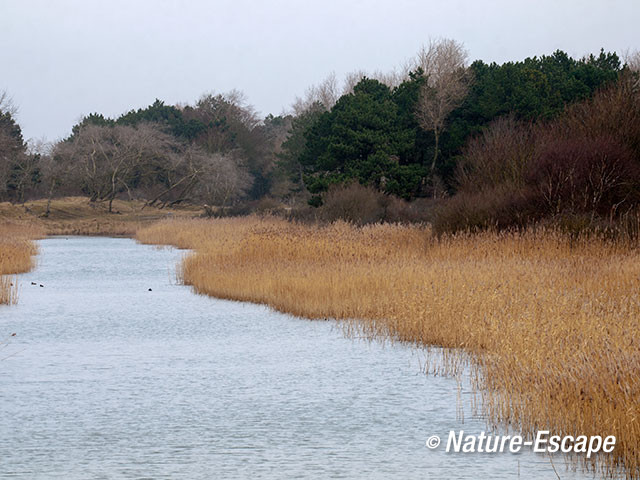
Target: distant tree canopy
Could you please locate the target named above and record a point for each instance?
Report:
(581, 169)
(372, 134)
(168, 117)
(536, 88)
(409, 133)
(19, 170)
(222, 128)
(364, 137)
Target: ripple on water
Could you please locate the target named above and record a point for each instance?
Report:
(110, 380)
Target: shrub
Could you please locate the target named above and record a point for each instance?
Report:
(420, 210)
(585, 175)
(354, 203)
(499, 156)
(503, 206)
(360, 205)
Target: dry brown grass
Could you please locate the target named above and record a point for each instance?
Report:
(16, 255)
(8, 290)
(78, 216)
(552, 324)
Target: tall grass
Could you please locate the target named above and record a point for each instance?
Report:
(16, 256)
(8, 290)
(551, 323)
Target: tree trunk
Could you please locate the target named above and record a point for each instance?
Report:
(436, 134)
(48, 209)
(158, 197)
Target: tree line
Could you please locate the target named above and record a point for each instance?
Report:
(438, 128)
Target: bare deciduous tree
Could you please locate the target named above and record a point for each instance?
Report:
(223, 179)
(444, 64)
(195, 175)
(391, 79)
(325, 93)
(54, 173)
(178, 170)
(329, 91)
(105, 159)
(632, 61)
(352, 79)
(231, 118)
(7, 105)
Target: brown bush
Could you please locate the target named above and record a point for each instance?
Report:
(420, 210)
(361, 205)
(499, 156)
(585, 175)
(503, 206)
(613, 112)
(585, 164)
(353, 203)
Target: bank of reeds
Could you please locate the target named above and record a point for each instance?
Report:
(16, 256)
(552, 322)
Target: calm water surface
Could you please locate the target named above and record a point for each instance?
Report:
(107, 379)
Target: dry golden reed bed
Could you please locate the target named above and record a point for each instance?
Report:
(552, 325)
(16, 256)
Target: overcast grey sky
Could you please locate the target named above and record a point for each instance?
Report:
(60, 59)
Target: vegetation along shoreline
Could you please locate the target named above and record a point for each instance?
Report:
(493, 210)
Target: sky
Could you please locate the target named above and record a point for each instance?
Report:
(62, 59)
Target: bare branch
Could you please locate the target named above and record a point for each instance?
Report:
(447, 78)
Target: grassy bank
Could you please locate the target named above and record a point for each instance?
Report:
(79, 216)
(552, 323)
(17, 251)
